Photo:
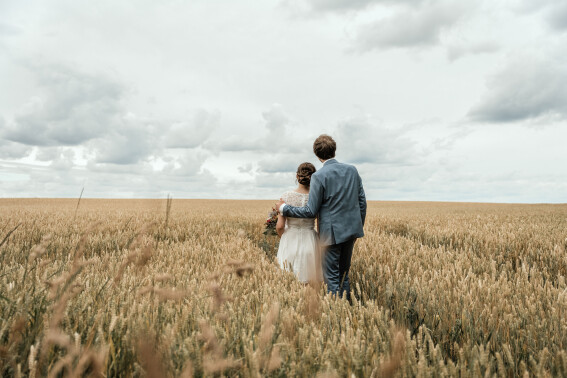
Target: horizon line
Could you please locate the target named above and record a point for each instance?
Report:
(260, 199)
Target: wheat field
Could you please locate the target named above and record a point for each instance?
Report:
(190, 288)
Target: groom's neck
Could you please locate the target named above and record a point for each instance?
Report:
(323, 161)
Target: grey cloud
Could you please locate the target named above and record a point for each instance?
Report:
(395, 182)
(7, 32)
(286, 145)
(234, 143)
(106, 181)
(346, 5)
(284, 134)
(13, 150)
(557, 16)
(130, 142)
(266, 186)
(284, 130)
(188, 164)
(61, 158)
(141, 168)
(455, 52)
(8, 29)
(276, 118)
(71, 108)
(282, 147)
(182, 166)
(278, 181)
(361, 141)
(283, 163)
(65, 160)
(134, 139)
(447, 142)
(280, 136)
(76, 108)
(528, 88)
(9, 149)
(554, 12)
(412, 27)
(276, 123)
(47, 153)
(247, 168)
(43, 181)
(194, 133)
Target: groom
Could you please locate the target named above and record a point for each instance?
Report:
(336, 197)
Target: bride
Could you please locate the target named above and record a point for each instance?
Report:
(299, 250)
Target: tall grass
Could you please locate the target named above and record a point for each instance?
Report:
(130, 288)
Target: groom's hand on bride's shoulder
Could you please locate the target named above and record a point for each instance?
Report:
(279, 204)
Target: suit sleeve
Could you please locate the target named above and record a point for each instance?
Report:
(313, 205)
(361, 200)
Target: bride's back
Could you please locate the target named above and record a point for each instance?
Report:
(293, 198)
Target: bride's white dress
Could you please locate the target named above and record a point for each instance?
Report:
(299, 250)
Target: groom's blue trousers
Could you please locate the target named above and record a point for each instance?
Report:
(336, 264)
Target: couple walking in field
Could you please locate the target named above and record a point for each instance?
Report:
(333, 195)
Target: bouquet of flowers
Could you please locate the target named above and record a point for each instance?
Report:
(271, 222)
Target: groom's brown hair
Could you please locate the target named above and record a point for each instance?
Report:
(324, 147)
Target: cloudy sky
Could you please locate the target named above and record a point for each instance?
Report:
(458, 100)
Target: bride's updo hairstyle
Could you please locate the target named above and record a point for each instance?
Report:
(304, 172)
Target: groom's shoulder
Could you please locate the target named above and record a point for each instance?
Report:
(346, 166)
(348, 169)
(336, 166)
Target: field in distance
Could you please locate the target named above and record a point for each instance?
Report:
(190, 288)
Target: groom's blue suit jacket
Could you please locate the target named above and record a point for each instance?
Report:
(336, 197)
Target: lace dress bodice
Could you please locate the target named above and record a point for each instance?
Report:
(297, 199)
